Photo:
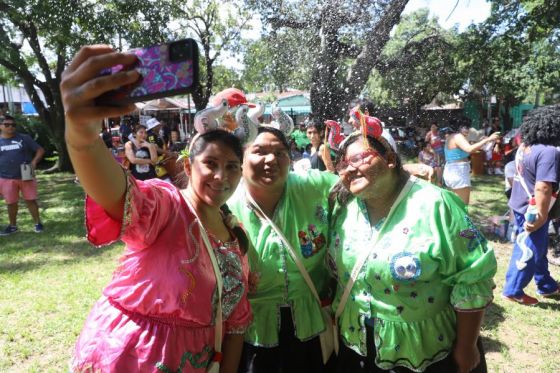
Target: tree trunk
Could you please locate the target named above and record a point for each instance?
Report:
(329, 96)
(507, 119)
(64, 163)
(199, 99)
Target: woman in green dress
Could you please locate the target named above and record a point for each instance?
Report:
(287, 317)
(414, 273)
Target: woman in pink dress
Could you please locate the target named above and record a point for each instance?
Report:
(158, 313)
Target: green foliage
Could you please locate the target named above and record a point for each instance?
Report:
(217, 27)
(418, 63)
(39, 37)
(225, 77)
(38, 132)
(279, 60)
(514, 54)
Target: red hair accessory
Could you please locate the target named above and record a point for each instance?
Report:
(334, 134)
(373, 126)
(370, 126)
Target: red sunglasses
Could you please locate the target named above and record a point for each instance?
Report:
(355, 161)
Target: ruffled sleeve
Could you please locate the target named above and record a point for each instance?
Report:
(467, 264)
(148, 209)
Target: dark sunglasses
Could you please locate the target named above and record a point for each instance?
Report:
(9, 124)
(355, 161)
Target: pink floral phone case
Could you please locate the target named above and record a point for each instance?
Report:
(162, 74)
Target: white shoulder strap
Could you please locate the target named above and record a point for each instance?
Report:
(219, 281)
(288, 246)
(366, 253)
(518, 167)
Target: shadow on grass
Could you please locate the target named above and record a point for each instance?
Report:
(30, 265)
(493, 345)
(63, 240)
(493, 316)
(552, 304)
(43, 256)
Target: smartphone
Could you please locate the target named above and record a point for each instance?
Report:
(165, 70)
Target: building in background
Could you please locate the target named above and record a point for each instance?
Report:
(15, 100)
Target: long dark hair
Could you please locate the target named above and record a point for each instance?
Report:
(232, 142)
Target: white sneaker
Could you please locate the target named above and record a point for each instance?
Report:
(498, 171)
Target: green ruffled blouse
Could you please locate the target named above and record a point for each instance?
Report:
(429, 261)
(274, 279)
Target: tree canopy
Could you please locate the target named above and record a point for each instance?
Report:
(513, 55)
(417, 64)
(38, 38)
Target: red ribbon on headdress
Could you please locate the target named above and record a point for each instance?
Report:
(369, 126)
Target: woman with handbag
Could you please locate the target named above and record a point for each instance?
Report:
(177, 301)
(414, 273)
(285, 215)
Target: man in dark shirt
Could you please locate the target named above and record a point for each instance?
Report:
(153, 126)
(17, 149)
(537, 163)
(126, 129)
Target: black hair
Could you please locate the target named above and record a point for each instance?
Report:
(221, 136)
(339, 192)
(365, 106)
(239, 232)
(315, 124)
(542, 126)
(232, 142)
(277, 133)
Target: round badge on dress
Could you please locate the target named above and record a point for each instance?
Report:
(405, 266)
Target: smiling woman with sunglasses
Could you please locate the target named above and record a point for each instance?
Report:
(414, 274)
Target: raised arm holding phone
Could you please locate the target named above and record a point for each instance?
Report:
(166, 308)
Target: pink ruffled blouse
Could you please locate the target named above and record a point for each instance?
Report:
(158, 312)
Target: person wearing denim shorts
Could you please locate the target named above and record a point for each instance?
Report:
(16, 149)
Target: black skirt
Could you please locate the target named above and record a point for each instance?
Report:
(290, 356)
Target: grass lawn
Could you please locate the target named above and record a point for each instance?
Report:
(49, 282)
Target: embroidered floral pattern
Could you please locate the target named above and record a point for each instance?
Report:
(197, 361)
(190, 287)
(312, 241)
(321, 214)
(232, 273)
(473, 235)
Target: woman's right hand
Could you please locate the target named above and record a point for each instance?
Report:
(81, 84)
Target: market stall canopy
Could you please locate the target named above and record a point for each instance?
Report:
(166, 103)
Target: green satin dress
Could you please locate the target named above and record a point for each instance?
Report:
(274, 279)
(429, 262)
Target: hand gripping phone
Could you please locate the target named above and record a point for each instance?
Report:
(165, 70)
